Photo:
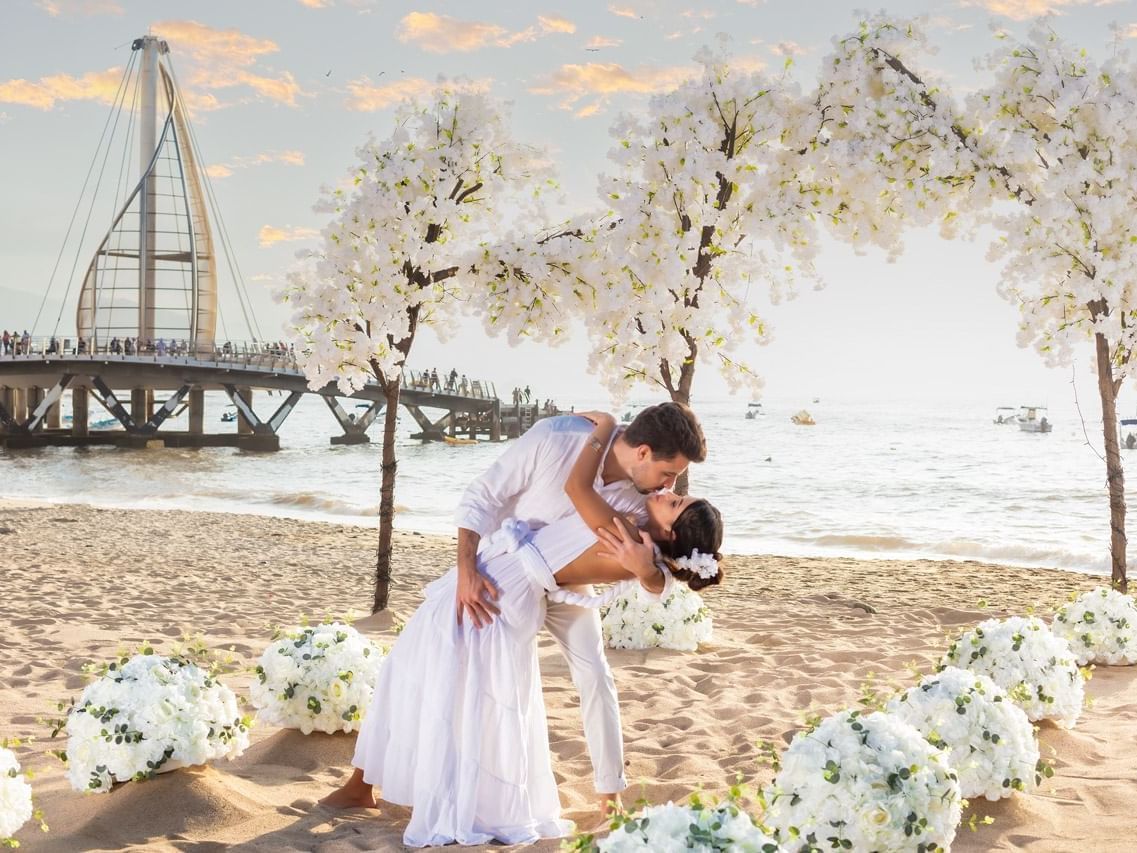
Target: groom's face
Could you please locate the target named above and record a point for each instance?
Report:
(649, 474)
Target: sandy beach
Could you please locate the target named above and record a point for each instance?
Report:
(793, 636)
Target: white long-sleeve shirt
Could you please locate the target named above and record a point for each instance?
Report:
(528, 481)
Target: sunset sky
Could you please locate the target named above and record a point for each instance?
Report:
(281, 93)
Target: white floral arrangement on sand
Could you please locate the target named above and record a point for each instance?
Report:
(317, 678)
(636, 620)
(149, 714)
(990, 742)
(1100, 626)
(16, 807)
(864, 782)
(1035, 668)
(696, 827)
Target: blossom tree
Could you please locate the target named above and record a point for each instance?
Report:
(1047, 153)
(693, 220)
(402, 250)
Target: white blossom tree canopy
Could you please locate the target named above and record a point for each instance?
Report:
(694, 220)
(406, 236)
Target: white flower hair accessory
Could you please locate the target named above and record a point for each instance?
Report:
(703, 565)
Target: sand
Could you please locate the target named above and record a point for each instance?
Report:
(792, 636)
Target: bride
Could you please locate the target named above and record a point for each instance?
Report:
(456, 728)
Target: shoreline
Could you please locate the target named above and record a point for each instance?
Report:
(371, 523)
(792, 636)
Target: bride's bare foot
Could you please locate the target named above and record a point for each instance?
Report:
(355, 794)
(610, 804)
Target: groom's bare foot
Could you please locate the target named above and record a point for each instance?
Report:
(355, 794)
(610, 804)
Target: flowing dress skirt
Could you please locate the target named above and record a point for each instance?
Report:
(456, 729)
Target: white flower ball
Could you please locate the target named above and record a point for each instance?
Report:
(317, 678)
(990, 742)
(1035, 668)
(1100, 626)
(671, 827)
(864, 782)
(15, 795)
(150, 714)
(635, 620)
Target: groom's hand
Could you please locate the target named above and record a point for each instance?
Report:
(476, 594)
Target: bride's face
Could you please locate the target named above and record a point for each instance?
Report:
(662, 510)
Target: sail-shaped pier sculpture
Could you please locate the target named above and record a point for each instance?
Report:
(148, 312)
(153, 276)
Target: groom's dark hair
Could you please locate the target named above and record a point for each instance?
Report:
(668, 429)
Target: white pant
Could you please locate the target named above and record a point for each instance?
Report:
(577, 631)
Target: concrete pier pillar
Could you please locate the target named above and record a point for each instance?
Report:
(80, 411)
(139, 410)
(20, 405)
(35, 397)
(495, 421)
(55, 415)
(243, 426)
(6, 402)
(197, 411)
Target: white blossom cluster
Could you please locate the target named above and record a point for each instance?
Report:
(15, 796)
(698, 828)
(990, 742)
(690, 225)
(637, 620)
(1100, 626)
(408, 241)
(1022, 656)
(316, 678)
(864, 782)
(149, 714)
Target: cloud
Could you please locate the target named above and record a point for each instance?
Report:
(98, 86)
(624, 11)
(1024, 10)
(316, 4)
(222, 59)
(597, 42)
(698, 14)
(555, 24)
(289, 157)
(270, 235)
(787, 48)
(444, 34)
(364, 96)
(572, 83)
(59, 8)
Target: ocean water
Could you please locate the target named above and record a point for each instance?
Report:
(869, 480)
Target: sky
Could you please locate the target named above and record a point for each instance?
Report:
(281, 92)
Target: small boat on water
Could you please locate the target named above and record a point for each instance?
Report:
(803, 418)
(1128, 433)
(1033, 419)
(229, 415)
(453, 440)
(753, 410)
(1006, 415)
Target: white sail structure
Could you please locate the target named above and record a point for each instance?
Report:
(154, 273)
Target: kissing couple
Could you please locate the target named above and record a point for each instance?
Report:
(456, 729)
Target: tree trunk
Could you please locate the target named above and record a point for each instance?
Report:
(682, 394)
(386, 497)
(1115, 474)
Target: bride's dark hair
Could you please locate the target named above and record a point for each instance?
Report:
(698, 528)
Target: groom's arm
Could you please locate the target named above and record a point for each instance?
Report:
(481, 510)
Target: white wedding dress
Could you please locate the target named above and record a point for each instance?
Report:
(456, 729)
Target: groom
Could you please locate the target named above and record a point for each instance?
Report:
(527, 482)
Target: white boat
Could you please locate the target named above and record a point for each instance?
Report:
(1006, 415)
(753, 410)
(1033, 419)
(229, 415)
(1128, 433)
(803, 418)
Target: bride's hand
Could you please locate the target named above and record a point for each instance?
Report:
(597, 418)
(637, 555)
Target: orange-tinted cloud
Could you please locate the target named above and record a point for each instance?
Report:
(224, 170)
(597, 42)
(624, 11)
(316, 4)
(364, 96)
(571, 83)
(99, 86)
(270, 235)
(222, 59)
(443, 34)
(61, 8)
(1024, 10)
